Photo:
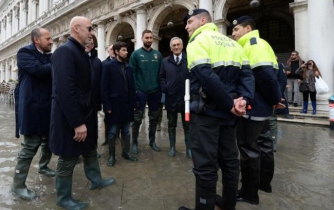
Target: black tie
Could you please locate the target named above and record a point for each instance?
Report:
(177, 59)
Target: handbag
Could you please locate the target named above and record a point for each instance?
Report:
(303, 87)
(320, 86)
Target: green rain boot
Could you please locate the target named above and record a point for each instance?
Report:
(46, 155)
(138, 117)
(93, 172)
(19, 187)
(64, 194)
(172, 138)
(125, 140)
(188, 144)
(111, 159)
(153, 120)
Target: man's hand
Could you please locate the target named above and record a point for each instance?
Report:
(109, 111)
(80, 133)
(239, 107)
(279, 106)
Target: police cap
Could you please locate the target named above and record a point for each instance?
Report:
(240, 20)
(193, 13)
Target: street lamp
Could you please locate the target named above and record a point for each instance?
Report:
(254, 3)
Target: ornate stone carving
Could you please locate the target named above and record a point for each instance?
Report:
(4, 22)
(35, 1)
(151, 10)
(10, 16)
(17, 11)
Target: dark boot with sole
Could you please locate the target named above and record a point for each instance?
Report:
(111, 144)
(93, 172)
(19, 187)
(46, 155)
(138, 117)
(125, 140)
(64, 194)
(172, 139)
(153, 120)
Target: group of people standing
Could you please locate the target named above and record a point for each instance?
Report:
(234, 90)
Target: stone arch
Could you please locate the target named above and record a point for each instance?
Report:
(220, 9)
(115, 28)
(162, 11)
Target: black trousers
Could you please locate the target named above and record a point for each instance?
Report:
(256, 156)
(213, 147)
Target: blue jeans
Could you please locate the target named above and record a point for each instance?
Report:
(124, 126)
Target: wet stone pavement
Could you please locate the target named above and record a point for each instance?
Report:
(304, 173)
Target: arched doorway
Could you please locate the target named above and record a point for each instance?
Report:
(273, 19)
(171, 26)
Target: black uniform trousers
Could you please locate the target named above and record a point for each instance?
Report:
(214, 146)
(256, 157)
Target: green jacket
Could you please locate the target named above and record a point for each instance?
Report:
(145, 66)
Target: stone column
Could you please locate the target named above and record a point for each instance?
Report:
(206, 4)
(15, 28)
(1, 72)
(301, 26)
(23, 14)
(55, 44)
(320, 41)
(101, 40)
(9, 25)
(33, 10)
(141, 25)
(7, 70)
(41, 7)
(155, 44)
(222, 25)
(3, 30)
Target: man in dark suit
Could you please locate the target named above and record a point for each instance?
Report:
(34, 104)
(106, 126)
(118, 96)
(173, 74)
(73, 129)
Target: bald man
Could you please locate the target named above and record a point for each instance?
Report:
(73, 129)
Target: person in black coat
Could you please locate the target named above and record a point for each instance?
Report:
(173, 73)
(118, 96)
(73, 129)
(106, 126)
(33, 106)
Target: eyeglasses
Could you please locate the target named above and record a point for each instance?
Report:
(89, 28)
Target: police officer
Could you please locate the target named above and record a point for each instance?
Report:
(221, 86)
(256, 155)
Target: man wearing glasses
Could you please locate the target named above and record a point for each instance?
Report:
(73, 127)
(294, 63)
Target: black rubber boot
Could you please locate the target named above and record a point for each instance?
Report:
(153, 120)
(250, 195)
(125, 140)
(106, 126)
(205, 197)
(188, 144)
(64, 194)
(19, 187)
(46, 155)
(111, 144)
(138, 117)
(93, 172)
(172, 138)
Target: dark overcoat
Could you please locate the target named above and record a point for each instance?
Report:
(96, 67)
(72, 102)
(35, 85)
(118, 92)
(172, 78)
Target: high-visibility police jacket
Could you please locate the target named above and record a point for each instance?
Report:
(263, 63)
(219, 69)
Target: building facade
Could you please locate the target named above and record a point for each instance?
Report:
(303, 25)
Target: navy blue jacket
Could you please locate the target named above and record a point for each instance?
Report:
(72, 101)
(118, 92)
(172, 82)
(35, 85)
(96, 67)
